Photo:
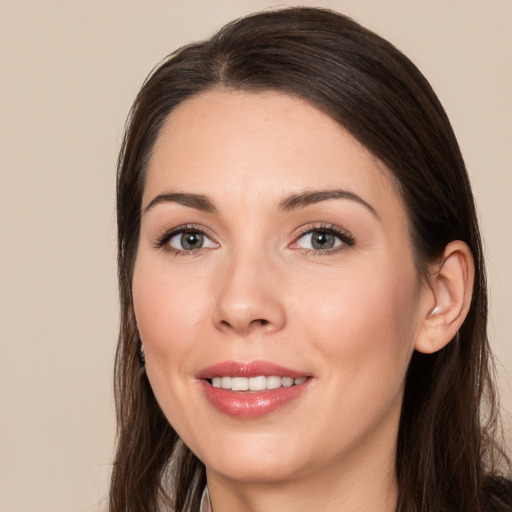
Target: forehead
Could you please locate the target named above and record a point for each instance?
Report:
(262, 146)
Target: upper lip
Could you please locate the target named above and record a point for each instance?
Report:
(251, 369)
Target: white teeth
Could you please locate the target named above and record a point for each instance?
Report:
(239, 384)
(273, 382)
(287, 382)
(259, 383)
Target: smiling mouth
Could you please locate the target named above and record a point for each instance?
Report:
(257, 383)
(253, 389)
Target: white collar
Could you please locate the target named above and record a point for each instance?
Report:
(206, 504)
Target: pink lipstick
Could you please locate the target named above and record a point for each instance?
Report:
(251, 390)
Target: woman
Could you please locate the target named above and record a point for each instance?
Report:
(303, 321)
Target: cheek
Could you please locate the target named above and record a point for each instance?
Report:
(170, 317)
(169, 310)
(365, 320)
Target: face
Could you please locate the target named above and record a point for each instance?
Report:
(274, 289)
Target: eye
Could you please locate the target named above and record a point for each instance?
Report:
(190, 240)
(183, 240)
(323, 239)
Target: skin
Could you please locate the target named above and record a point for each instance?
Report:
(350, 317)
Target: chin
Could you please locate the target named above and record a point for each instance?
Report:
(251, 470)
(255, 461)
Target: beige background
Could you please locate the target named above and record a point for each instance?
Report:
(69, 71)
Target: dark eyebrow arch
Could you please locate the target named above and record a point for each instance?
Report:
(197, 201)
(303, 199)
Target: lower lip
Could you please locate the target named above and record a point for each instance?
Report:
(244, 404)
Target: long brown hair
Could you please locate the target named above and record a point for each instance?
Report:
(447, 455)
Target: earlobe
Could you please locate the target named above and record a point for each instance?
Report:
(451, 288)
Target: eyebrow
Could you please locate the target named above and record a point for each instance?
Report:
(291, 202)
(197, 201)
(304, 199)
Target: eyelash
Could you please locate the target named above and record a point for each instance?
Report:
(347, 240)
(162, 241)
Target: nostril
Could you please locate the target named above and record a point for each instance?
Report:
(246, 326)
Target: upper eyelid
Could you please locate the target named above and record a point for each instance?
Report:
(164, 236)
(191, 227)
(337, 230)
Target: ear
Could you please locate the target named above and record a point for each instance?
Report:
(451, 288)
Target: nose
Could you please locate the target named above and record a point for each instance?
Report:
(249, 295)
